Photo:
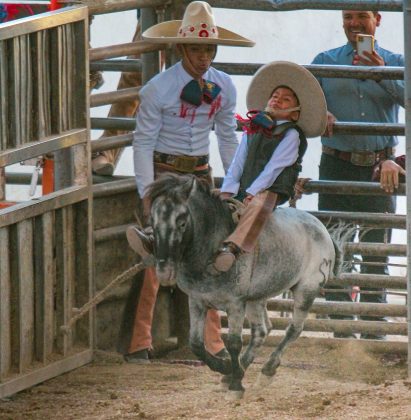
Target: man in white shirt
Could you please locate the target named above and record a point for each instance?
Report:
(178, 110)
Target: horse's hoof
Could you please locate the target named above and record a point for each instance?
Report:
(225, 382)
(234, 395)
(263, 381)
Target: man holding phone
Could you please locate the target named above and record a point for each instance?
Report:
(352, 157)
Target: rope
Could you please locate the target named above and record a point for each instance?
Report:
(100, 296)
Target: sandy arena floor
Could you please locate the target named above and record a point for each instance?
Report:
(313, 382)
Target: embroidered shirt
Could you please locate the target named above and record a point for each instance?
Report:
(284, 155)
(167, 124)
(359, 100)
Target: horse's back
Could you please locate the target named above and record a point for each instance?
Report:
(294, 246)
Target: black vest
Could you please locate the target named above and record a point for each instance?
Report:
(261, 147)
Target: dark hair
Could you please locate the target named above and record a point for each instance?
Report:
(287, 87)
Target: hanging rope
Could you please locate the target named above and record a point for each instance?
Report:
(101, 295)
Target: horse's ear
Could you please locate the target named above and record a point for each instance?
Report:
(188, 186)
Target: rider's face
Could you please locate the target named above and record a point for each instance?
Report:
(199, 57)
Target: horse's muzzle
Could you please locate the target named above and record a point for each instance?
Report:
(166, 274)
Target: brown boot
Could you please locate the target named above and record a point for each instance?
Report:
(226, 257)
(140, 241)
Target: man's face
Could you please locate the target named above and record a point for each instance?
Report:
(199, 56)
(359, 22)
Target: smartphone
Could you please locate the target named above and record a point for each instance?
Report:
(365, 43)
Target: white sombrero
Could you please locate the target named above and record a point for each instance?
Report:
(197, 27)
(313, 107)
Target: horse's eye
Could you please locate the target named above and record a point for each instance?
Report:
(181, 224)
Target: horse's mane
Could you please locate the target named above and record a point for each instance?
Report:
(174, 186)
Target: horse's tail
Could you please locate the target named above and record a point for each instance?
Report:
(340, 235)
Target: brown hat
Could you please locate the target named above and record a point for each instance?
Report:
(197, 27)
(313, 107)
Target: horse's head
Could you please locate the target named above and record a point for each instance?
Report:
(171, 221)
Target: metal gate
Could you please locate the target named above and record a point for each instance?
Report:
(45, 244)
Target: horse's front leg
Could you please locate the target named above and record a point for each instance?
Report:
(198, 312)
(235, 315)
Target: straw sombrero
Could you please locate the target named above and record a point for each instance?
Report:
(313, 107)
(197, 27)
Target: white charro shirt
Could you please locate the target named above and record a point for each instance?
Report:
(284, 155)
(167, 124)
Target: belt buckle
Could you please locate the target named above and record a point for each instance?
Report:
(185, 163)
(363, 158)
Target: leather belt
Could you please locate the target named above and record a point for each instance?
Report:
(182, 163)
(362, 158)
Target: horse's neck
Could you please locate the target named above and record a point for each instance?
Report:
(211, 224)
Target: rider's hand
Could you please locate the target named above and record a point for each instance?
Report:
(330, 123)
(225, 195)
(247, 199)
(389, 178)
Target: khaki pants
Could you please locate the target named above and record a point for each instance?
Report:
(253, 220)
(141, 334)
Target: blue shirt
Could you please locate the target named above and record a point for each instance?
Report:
(355, 100)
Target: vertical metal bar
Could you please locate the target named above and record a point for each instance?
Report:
(150, 61)
(407, 99)
(5, 321)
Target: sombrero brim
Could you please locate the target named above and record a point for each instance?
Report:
(165, 33)
(313, 113)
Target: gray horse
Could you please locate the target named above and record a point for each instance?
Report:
(295, 252)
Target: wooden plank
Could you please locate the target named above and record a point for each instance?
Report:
(3, 97)
(14, 95)
(69, 258)
(5, 322)
(44, 146)
(44, 282)
(40, 375)
(53, 201)
(26, 293)
(64, 275)
(85, 287)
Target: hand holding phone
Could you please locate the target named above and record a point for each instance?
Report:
(365, 43)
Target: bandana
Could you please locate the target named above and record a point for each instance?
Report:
(257, 121)
(193, 94)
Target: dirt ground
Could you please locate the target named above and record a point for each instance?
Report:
(314, 381)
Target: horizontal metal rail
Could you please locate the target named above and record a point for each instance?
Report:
(381, 220)
(127, 65)
(106, 98)
(345, 187)
(343, 308)
(369, 280)
(289, 5)
(338, 326)
(383, 250)
(98, 7)
(120, 50)
(339, 127)
(108, 143)
(328, 71)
